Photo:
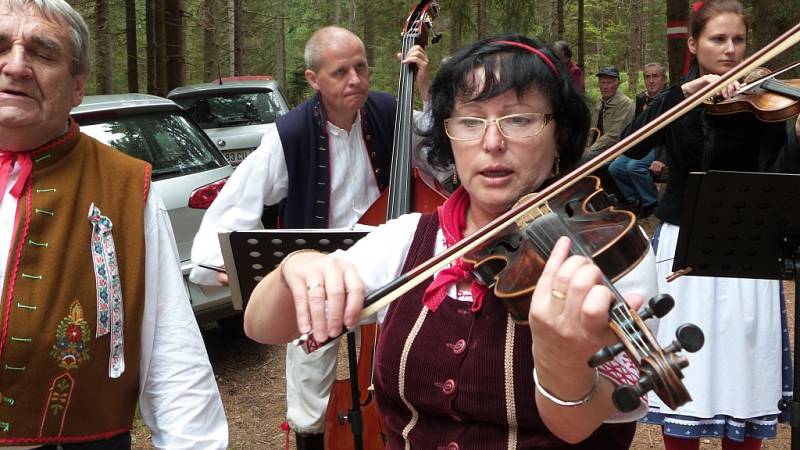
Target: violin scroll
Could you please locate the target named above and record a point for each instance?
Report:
(659, 369)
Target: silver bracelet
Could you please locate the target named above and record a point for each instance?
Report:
(570, 403)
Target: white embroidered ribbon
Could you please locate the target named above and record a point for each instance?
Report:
(110, 317)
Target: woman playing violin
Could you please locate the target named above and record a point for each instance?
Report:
(737, 379)
(452, 369)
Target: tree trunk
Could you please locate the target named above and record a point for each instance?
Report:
(176, 43)
(560, 19)
(152, 52)
(352, 16)
(601, 38)
(133, 48)
(161, 47)
(677, 16)
(481, 18)
(634, 44)
(211, 68)
(231, 36)
(581, 39)
(768, 25)
(103, 62)
(280, 42)
(238, 37)
(369, 31)
(337, 16)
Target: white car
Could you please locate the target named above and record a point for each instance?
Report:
(233, 111)
(188, 173)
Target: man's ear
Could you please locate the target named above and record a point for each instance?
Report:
(78, 93)
(311, 77)
(692, 44)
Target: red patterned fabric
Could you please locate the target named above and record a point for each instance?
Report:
(453, 219)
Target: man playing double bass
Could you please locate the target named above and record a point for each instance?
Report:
(325, 162)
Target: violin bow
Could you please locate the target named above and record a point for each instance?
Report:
(769, 76)
(383, 296)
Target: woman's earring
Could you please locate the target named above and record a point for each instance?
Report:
(556, 169)
(455, 177)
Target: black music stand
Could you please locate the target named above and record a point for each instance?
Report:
(745, 225)
(250, 255)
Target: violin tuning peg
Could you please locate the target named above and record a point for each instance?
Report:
(626, 397)
(691, 337)
(606, 354)
(658, 306)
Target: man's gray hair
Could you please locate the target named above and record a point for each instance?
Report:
(660, 66)
(312, 55)
(59, 11)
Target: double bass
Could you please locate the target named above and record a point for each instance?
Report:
(352, 420)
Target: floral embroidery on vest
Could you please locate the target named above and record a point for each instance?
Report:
(72, 339)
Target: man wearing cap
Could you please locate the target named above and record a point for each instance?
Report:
(611, 115)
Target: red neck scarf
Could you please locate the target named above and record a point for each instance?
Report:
(453, 220)
(7, 161)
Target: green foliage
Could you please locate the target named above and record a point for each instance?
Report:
(605, 33)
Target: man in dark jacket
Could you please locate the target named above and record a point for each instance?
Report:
(634, 177)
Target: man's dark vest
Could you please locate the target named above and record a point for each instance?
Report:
(304, 137)
(54, 381)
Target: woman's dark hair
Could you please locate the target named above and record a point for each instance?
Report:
(519, 70)
(699, 19)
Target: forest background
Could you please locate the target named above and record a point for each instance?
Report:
(155, 45)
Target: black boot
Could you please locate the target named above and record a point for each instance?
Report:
(310, 441)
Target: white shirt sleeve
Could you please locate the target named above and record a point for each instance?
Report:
(261, 179)
(178, 395)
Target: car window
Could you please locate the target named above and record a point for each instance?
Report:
(229, 110)
(168, 141)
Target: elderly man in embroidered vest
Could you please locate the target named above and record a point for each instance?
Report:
(325, 162)
(93, 318)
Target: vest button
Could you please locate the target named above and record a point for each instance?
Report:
(459, 346)
(449, 387)
(373, 154)
(367, 136)
(378, 171)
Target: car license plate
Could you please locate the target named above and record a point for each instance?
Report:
(235, 157)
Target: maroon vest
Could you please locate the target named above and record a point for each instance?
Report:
(454, 379)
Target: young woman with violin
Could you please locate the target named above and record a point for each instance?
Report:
(453, 370)
(743, 370)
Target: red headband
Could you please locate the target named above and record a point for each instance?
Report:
(535, 51)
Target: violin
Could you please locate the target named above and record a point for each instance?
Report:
(352, 419)
(512, 262)
(770, 99)
(660, 368)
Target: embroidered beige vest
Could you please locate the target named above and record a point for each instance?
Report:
(54, 372)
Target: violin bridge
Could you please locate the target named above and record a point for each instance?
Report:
(532, 214)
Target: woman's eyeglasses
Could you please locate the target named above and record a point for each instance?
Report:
(513, 126)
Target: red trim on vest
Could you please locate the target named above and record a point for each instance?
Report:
(15, 262)
(147, 170)
(66, 439)
(71, 132)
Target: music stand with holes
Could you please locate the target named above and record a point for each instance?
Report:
(250, 255)
(745, 225)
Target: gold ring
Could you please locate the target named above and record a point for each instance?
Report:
(558, 294)
(313, 285)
